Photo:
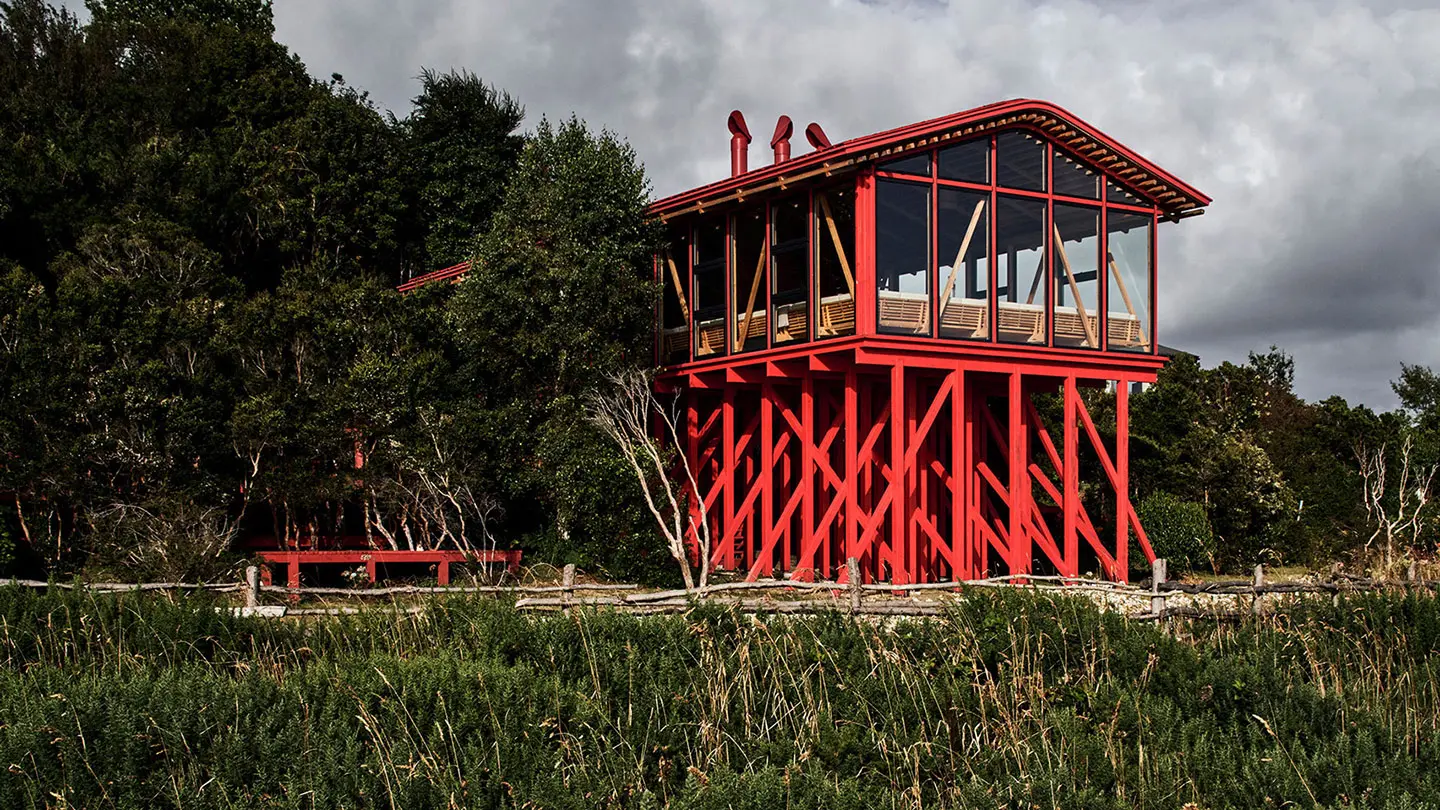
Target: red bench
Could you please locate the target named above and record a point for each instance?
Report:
(292, 560)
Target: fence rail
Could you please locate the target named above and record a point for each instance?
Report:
(849, 596)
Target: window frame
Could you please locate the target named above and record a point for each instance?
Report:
(1103, 204)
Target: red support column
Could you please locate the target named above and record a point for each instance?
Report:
(728, 527)
(910, 463)
(1019, 479)
(764, 543)
(898, 496)
(807, 476)
(960, 464)
(1122, 480)
(692, 454)
(1071, 478)
(852, 463)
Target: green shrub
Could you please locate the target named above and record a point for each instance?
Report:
(1008, 700)
(1178, 531)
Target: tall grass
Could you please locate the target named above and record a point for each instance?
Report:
(1007, 701)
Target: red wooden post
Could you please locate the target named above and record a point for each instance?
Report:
(852, 464)
(727, 477)
(808, 456)
(1071, 475)
(1122, 474)
(896, 492)
(442, 573)
(1019, 479)
(370, 569)
(765, 479)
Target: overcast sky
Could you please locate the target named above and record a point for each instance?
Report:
(1314, 124)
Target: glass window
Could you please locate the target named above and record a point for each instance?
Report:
(964, 262)
(1020, 257)
(902, 256)
(1073, 178)
(1019, 161)
(1128, 287)
(914, 164)
(1076, 235)
(968, 162)
(790, 271)
(750, 292)
(834, 240)
(1116, 193)
(674, 271)
(710, 287)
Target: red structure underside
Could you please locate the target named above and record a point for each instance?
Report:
(925, 467)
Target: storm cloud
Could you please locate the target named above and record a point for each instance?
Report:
(1312, 124)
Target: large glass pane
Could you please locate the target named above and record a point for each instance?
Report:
(1020, 257)
(964, 272)
(1128, 271)
(674, 271)
(710, 287)
(902, 256)
(790, 270)
(750, 291)
(1020, 161)
(968, 162)
(914, 164)
(1073, 178)
(1077, 276)
(834, 238)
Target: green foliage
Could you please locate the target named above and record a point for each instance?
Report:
(1007, 700)
(463, 148)
(560, 297)
(1278, 477)
(1178, 530)
(198, 246)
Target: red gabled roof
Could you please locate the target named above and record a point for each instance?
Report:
(452, 274)
(1169, 193)
(1172, 195)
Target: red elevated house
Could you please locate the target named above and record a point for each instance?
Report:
(882, 345)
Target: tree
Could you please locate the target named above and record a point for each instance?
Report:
(560, 298)
(624, 410)
(462, 145)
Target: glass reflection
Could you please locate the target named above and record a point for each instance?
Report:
(902, 256)
(1020, 253)
(1076, 261)
(964, 272)
(1127, 269)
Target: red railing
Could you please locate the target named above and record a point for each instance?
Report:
(452, 274)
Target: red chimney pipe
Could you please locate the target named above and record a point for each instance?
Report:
(780, 141)
(816, 136)
(739, 144)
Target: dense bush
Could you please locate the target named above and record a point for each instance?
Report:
(1179, 531)
(1006, 701)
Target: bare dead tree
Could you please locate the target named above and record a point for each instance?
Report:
(1396, 517)
(425, 500)
(176, 540)
(623, 409)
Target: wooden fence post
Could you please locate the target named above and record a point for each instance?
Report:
(1157, 576)
(568, 583)
(252, 586)
(1259, 583)
(1410, 574)
(852, 572)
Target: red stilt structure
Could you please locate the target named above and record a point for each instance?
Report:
(916, 349)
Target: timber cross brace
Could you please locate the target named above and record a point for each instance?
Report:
(922, 474)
